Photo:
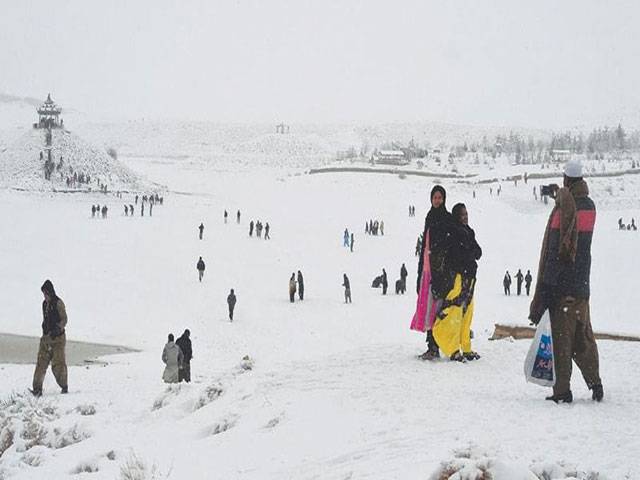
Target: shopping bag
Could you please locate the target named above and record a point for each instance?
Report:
(538, 365)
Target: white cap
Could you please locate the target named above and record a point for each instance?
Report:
(573, 168)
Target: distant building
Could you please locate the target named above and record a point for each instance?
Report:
(49, 115)
(391, 157)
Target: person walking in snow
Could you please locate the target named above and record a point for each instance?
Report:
(418, 246)
(52, 342)
(200, 267)
(381, 227)
(266, 231)
(131, 210)
(345, 238)
(251, 228)
(506, 283)
(172, 357)
(519, 280)
(300, 286)
(563, 285)
(226, 215)
(93, 211)
(366, 228)
(142, 209)
(385, 282)
(231, 303)
(403, 277)
(238, 216)
(126, 210)
(433, 282)
(201, 229)
(136, 199)
(347, 288)
(184, 342)
(351, 242)
(151, 209)
(292, 288)
(527, 282)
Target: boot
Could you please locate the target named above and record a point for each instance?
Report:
(64, 390)
(561, 398)
(36, 393)
(470, 356)
(429, 355)
(432, 346)
(458, 357)
(597, 392)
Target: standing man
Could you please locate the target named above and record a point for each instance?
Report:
(238, 216)
(184, 342)
(201, 228)
(351, 242)
(266, 231)
(200, 267)
(563, 286)
(519, 279)
(300, 285)
(251, 228)
(527, 281)
(231, 301)
(52, 342)
(347, 288)
(292, 288)
(385, 282)
(403, 277)
(506, 283)
(226, 215)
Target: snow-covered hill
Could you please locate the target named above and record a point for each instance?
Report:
(22, 168)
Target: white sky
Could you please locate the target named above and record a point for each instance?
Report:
(535, 63)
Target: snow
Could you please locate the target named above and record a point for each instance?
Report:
(329, 390)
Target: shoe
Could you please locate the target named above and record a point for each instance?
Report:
(64, 390)
(561, 398)
(458, 357)
(470, 356)
(36, 393)
(429, 355)
(597, 392)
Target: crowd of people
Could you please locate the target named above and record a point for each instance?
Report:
(374, 227)
(259, 227)
(447, 274)
(628, 226)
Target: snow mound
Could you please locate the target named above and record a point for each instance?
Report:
(22, 168)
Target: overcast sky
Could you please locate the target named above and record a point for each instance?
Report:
(528, 63)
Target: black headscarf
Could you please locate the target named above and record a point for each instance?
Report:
(436, 214)
(47, 287)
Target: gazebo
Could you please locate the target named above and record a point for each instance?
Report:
(49, 115)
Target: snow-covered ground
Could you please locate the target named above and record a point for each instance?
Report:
(330, 390)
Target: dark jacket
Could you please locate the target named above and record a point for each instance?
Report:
(54, 317)
(231, 300)
(184, 343)
(437, 223)
(567, 277)
(200, 265)
(465, 252)
(300, 282)
(345, 282)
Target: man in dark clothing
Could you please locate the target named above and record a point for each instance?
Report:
(251, 228)
(266, 231)
(52, 342)
(93, 211)
(200, 267)
(506, 283)
(563, 285)
(300, 285)
(403, 277)
(201, 228)
(231, 301)
(226, 215)
(519, 279)
(351, 242)
(184, 342)
(527, 282)
(347, 288)
(238, 217)
(385, 282)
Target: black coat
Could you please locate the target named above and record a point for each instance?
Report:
(184, 343)
(437, 224)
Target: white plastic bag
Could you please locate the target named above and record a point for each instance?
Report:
(539, 365)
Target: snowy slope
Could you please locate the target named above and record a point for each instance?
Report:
(335, 390)
(21, 167)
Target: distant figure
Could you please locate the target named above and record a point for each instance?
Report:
(131, 209)
(347, 288)
(345, 238)
(385, 283)
(266, 231)
(527, 282)
(104, 211)
(519, 279)
(151, 209)
(403, 279)
(381, 227)
(620, 224)
(126, 210)
(366, 228)
(200, 267)
(231, 301)
(226, 214)
(201, 229)
(52, 341)
(136, 199)
(238, 217)
(633, 224)
(351, 242)
(251, 228)
(506, 283)
(292, 288)
(172, 358)
(142, 209)
(300, 286)
(418, 246)
(93, 211)
(184, 342)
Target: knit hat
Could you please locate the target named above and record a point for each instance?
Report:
(573, 169)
